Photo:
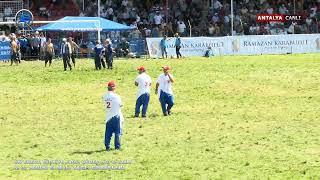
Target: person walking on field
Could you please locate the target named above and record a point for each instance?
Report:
(178, 45)
(164, 91)
(97, 56)
(49, 51)
(66, 53)
(114, 117)
(163, 46)
(143, 81)
(108, 54)
(74, 47)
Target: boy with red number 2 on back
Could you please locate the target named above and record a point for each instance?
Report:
(114, 117)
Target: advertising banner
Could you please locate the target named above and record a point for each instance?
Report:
(240, 45)
(5, 50)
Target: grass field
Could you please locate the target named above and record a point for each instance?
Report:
(248, 117)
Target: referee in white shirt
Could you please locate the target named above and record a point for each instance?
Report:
(164, 90)
(114, 117)
(143, 81)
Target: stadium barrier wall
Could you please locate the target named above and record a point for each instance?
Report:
(239, 45)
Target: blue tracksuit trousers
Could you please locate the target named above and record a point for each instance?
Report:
(113, 126)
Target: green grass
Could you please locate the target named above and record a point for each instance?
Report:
(248, 117)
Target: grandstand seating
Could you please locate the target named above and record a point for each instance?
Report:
(10, 8)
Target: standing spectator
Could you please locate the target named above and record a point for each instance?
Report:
(29, 46)
(178, 45)
(103, 63)
(163, 46)
(90, 48)
(143, 81)
(49, 51)
(74, 48)
(164, 91)
(114, 117)
(23, 46)
(43, 41)
(66, 53)
(35, 45)
(108, 54)
(97, 56)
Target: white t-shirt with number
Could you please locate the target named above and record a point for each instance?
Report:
(113, 105)
(165, 84)
(144, 83)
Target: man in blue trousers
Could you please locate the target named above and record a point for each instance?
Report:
(143, 81)
(97, 56)
(177, 44)
(114, 117)
(164, 90)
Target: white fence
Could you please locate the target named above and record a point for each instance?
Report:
(240, 45)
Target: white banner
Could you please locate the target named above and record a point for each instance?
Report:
(240, 45)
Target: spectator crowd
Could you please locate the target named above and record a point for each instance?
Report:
(206, 17)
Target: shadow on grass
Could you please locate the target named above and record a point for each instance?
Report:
(88, 152)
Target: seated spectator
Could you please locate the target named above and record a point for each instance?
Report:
(124, 47)
(217, 31)
(147, 32)
(211, 30)
(158, 18)
(217, 6)
(124, 3)
(104, 13)
(82, 14)
(155, 32)
(181, 27)
(7, 12)
(215, 18)
(136, 34)
(109, 12)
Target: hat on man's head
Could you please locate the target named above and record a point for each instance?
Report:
(166, 68)
(64, 39)
(111, 84)
(141, 68)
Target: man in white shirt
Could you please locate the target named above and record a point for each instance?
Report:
(181, 27)
(217, 5)
(164, 90)
(157, 19)
(7, 12)
(114, 117)
(143, 81)
(66, 54)
(43, 42)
